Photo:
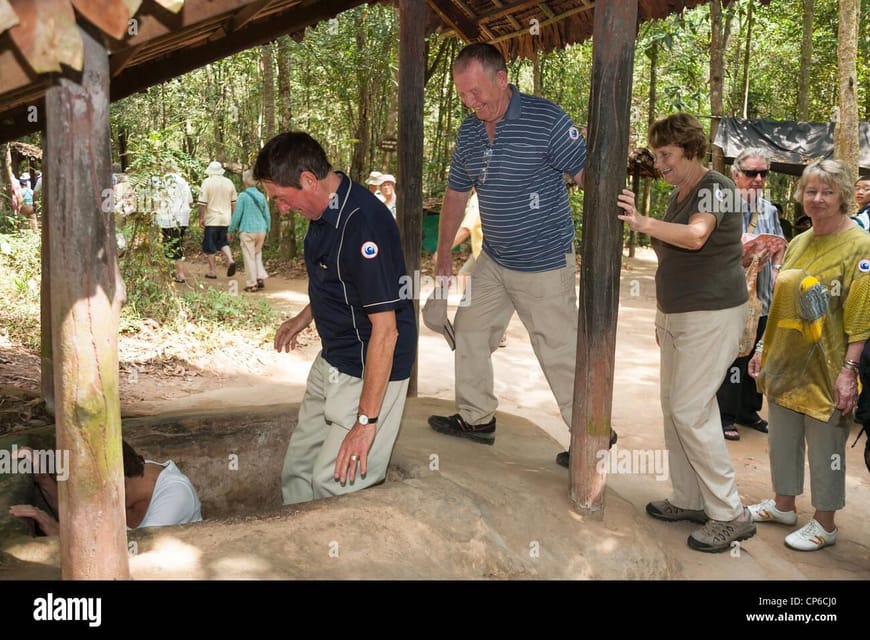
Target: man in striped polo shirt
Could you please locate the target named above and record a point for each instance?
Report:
(514, 150)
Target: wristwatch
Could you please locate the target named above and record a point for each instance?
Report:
(363, 419)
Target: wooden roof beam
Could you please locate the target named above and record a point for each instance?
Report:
(553, 20)
(507, 10)
(247, 14)
(461, 24)
(140, 77)
(547, 11)
(513, 21)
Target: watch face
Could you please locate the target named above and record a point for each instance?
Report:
(363, 419)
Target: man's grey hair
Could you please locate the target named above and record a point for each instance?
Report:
(750, 152)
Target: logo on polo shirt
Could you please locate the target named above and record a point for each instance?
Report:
(369, 250)
(864, 265)
(573, 133)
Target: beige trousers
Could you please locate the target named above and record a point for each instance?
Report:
(328, 411)
(825, 446)
(546, 302)
(252, 253)
(696, 349)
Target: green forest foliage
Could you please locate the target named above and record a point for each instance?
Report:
(339, 83)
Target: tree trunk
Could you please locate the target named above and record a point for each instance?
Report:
(9, 178)
(46, 360)
(86, 295)
(283, 230)
(646, 199)
(409, 190)
(803, 103)
(615, 28)
(537, 76)
(846, 131)
(363, 125)
(268, 93)
(285, 113)
(746, 61)
(717, 79)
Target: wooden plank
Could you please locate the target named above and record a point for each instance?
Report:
(464, 26)
(412, 69)
(615, 27)
(8, 17)
(47, 43)
(110, 16)
(86, 296)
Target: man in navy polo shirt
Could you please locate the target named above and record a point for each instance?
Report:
(352, 409)
(514, 150)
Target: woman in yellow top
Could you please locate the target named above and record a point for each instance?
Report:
(807, 363)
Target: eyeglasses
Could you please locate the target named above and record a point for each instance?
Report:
(487, 156)
(752, 173)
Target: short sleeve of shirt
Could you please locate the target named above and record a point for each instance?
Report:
(567, 149)
(856, 309)
(458, 178)
(204, 193)
(369, 263)
(714, 197)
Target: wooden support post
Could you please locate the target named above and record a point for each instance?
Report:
(45, 359)
(413, 17)
(614, 30)
(86, 296)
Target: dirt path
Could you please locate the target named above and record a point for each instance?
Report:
(265, 377)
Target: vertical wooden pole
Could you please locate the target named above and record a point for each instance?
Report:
(409, 204)
(86, 296)
(45, 358)
(614, 30)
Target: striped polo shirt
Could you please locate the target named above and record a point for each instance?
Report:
(356, 267)
(524, 209)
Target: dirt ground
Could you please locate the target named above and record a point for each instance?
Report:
(264, 377)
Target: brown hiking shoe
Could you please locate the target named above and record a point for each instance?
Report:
(719, 535)
(664, 510)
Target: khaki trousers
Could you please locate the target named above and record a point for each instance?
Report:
(546, 302)
(252, 253)
(328, 411)
(825, 446)
(696, 349)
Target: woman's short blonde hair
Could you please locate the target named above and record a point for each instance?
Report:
(833, 173)
(681, 130)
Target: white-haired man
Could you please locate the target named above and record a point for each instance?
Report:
(738, 397)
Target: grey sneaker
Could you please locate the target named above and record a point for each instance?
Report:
(664, 510)
(717, 535)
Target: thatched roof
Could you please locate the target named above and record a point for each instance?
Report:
(151, 41)
(520, 29)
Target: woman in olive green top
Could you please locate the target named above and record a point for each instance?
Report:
(701, 297)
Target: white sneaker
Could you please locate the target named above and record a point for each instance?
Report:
(811, 537)
(766, 511)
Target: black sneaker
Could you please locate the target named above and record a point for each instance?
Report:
(563, 460)
(455, 426)
(231, 270)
